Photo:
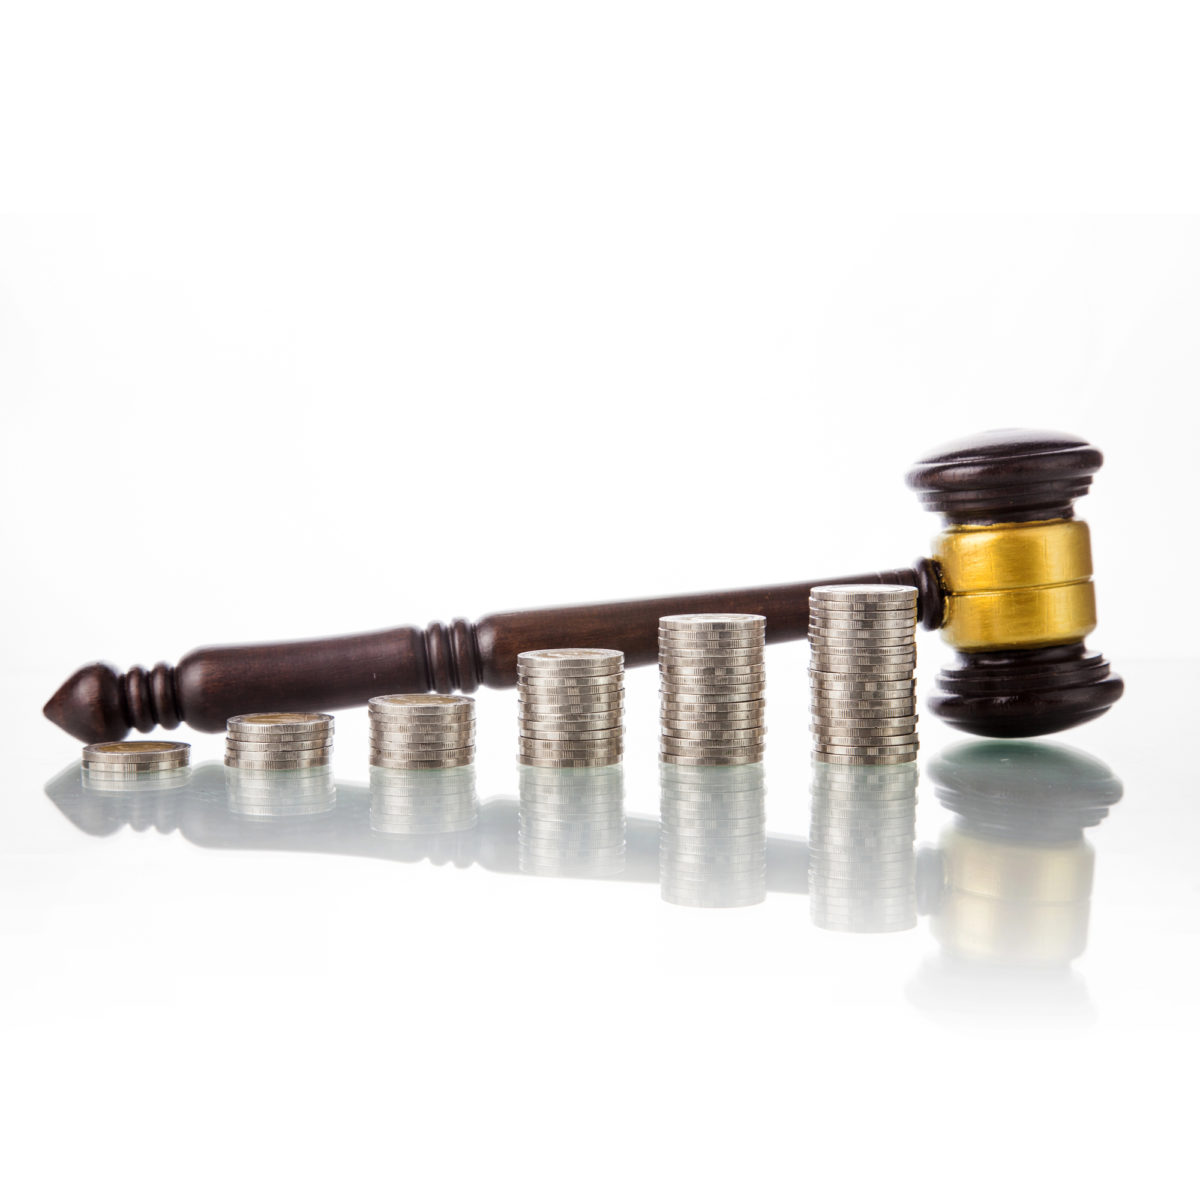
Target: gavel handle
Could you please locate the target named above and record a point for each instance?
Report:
(216, 682)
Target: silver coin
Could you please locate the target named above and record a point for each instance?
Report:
(605, 734)
(863, 745)
(422, 729)
(713, 644)
(561, 714)
(720, 710)
(98, 769)
(858, 759)
(685, 622)
(572, 724)
(584, 674)
(136, 751)
(819, 677)
(420, 704)
(94, 770)
(687, 733)
(822, 644)
(598, 761)
(279, 724)
(548, 750)
(672, 658)
(704, 747)
(905, 634)
(746, 672)
(865, 688)
(402, 745)
(863, 623)
(585, 656)
(273, 748)
(825, 740)
(849, 709)
(864, 591)
(699, 692)
(672, 721)
(291, 756)
(548, 689)
(253, 767)
(420, 764)
(821, 652)
(462, 736)
(824, 720)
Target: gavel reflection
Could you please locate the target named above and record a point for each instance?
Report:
(1009, 881)
(1009, 584)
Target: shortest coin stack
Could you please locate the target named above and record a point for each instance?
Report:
(287, 741)
(572, 707)
(120, 761)
(424, 733)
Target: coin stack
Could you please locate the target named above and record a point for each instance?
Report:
(287, 741)
(572, 707)
(422, 732)
(864, 654)
(280, 793)
(712, 676)
(862, 867)
(423, 803)
(713, 836)
(122, 765)
(572, 822)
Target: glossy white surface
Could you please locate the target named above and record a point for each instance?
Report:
(311, 1021)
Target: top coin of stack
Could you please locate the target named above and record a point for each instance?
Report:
(864, 653)
(712, 673)
(128, 760)
(572, 707)
(422, 732)
(287, 741)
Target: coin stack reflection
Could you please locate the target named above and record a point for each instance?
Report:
(417, 803)
(862, 866)
(863, 656)
(713, 836)
(286, 741)
(712, 677)
(135, 766)
(276, 795)
(572, 707)
(422, 732)
(572, 821)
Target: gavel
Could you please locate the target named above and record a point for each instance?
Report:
(1009, 584)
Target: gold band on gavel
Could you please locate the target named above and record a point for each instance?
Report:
(1016, 586)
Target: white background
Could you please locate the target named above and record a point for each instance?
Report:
(318, 318)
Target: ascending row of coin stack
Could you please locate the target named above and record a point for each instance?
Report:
(286, 741)
(863, 657)
(421, 732)
(712, 677)
(571, 707)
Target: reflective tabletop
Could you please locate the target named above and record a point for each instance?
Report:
(697, 974)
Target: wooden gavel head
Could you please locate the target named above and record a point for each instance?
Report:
(1009, 584)
(1014, 572)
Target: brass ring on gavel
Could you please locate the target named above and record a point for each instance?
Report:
(1016, 586)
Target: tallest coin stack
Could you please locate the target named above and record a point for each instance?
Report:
(864, 655)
